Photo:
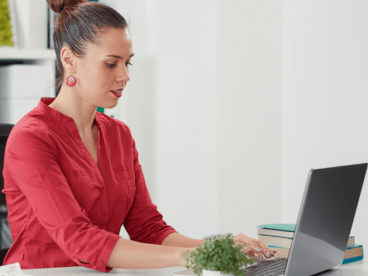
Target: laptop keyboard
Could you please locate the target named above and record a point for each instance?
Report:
(272, 267)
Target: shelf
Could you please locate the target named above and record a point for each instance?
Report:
(8, 53)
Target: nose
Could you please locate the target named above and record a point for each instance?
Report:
(123, 75)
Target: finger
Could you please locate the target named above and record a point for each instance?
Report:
(253, 246)
(267, 252)
(272, 252)
(258, 259)
(251, 251)
(257, 252)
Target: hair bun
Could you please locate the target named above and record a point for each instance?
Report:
(60, 5)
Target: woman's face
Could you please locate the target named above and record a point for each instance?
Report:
(105, 68)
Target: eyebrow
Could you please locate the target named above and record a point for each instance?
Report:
(115, 56)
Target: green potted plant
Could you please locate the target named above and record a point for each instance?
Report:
(218, 255)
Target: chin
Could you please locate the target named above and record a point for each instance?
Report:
(110, 105)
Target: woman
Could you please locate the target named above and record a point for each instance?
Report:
(72, 175)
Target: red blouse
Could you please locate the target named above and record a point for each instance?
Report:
(62, 206)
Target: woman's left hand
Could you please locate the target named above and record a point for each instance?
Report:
(253, 246)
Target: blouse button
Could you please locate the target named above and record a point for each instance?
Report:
(103, 190)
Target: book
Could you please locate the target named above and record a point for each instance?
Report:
(286, 242)
(281, 252)
(278, 230)
(286, 231)
(351, 242)
(352, 254)
(279, 226)
(275, 241)
(350, 260)
(355, 251)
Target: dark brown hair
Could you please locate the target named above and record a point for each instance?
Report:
(79, 23)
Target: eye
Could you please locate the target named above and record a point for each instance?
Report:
(128, 63)
(111, 65)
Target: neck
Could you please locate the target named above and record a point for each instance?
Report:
(75, 107)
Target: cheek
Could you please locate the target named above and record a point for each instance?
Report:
(89, 75)
(106, 79)
(98, 77)
(108, 75)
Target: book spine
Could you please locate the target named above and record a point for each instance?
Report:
(351, 260)
(282, 242)
(283, 237)
(356, 253)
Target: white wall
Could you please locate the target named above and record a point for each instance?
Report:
(249, 115)
(185, 133)
(324, 95)
(233, 102)
(203, 100)
(172, 107)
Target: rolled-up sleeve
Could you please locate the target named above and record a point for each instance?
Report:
(144, 223)
(33, 163)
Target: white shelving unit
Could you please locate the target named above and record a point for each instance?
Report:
(26, 75)
(7, 53)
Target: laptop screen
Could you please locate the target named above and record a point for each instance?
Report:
(325, 219)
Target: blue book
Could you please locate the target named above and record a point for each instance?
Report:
(352, 254)
(279, 227)
(283, 230)
(354, 259)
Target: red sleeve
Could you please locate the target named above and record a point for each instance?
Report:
(144, 223)
(33, 164)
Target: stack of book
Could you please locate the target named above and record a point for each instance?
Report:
(280, 236)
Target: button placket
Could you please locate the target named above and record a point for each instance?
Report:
(104, 205)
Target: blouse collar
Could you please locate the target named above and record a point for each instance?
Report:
(43, 105)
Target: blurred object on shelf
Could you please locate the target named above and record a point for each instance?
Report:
(51, 17)
(30, 24)
(6, 24)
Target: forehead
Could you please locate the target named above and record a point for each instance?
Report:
(112, 41)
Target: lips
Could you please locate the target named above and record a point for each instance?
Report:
(117, 94)
(118, 90)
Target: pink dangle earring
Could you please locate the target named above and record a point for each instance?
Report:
(71, 81)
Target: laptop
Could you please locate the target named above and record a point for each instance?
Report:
(323, 226)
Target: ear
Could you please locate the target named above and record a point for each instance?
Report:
(68, 59)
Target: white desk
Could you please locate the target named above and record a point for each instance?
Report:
(354, 269)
